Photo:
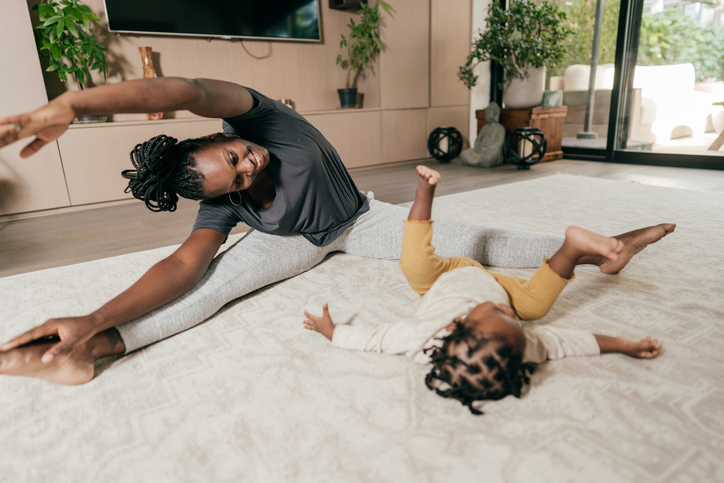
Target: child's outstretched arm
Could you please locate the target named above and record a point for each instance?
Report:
(407, 336)
(553, 343)
(646, 348)
(426, 182)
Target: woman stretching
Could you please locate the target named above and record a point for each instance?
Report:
(270, 169)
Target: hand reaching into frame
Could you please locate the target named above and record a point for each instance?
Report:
(46, 124)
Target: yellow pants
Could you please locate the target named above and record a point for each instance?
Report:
(531, 299)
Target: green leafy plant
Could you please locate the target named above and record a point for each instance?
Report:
(524, 36)
(580, 18)
(363, 42)
(65, 36)
(672, 37)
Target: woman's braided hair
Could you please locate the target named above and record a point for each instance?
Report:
(491, 370)
(165, 169)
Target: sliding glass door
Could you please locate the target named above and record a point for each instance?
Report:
(657, 93)
(591, 46)
(672, 90)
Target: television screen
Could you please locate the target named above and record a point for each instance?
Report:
(255, 19)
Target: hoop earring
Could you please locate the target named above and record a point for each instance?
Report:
(232, 201)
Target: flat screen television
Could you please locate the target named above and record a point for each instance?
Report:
(296, 20)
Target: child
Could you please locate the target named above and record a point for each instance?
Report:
(466, 323)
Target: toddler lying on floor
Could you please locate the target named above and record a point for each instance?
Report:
(466, 324)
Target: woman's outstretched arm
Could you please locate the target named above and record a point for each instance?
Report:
(204, 97)
(162, 283)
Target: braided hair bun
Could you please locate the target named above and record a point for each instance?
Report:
(165, 170)
(491, 369)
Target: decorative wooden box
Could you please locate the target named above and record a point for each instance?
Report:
(547, 119)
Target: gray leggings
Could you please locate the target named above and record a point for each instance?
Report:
(260, 259)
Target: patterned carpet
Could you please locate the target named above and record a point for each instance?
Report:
(250, 396)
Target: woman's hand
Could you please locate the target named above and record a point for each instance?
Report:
(162, 283)
(46, 124)
(72, 331)
(323, 324)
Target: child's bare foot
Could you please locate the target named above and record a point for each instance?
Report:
(71, 368)
(323, 324)
(633, 242)
(585, 242)
(427, 177)
(582, 243)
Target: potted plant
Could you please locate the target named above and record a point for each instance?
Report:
(65, 37)
(362, 44)
(524, 40)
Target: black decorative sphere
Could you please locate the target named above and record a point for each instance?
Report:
(519, 139)
(445, 143)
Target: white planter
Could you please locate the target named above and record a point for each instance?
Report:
(528, 92)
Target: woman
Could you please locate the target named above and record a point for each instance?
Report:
(271, 169)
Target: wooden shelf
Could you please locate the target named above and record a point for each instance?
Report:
(138, 122)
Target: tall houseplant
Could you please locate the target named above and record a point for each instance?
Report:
(65, 37)
(362, 44)
(523, 40)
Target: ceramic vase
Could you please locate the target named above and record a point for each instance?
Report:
(525, 93)
(149, 72)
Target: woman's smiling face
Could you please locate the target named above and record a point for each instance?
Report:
(229, 164)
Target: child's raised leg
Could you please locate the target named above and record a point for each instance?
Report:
(427, 179)
(418, 260)
(581, 243)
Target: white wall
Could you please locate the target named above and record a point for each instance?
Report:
(480, 94)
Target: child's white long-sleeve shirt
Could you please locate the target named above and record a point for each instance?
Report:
(456, 293)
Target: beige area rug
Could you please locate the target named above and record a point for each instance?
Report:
(250, 396)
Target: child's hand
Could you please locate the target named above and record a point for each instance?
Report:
(646, 348)
(323, 324)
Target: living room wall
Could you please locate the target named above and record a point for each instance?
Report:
(412, 89)
(406, 75)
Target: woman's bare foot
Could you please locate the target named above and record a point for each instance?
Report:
(73, 368)
(633, 243)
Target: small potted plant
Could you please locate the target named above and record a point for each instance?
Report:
(65, 37)
(524, 40)
(363, 44)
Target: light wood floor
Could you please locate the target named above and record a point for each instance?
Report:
(115, 229)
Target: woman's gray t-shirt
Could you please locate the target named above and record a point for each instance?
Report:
(315, 195)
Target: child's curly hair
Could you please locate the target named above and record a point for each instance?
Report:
(469, 368)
